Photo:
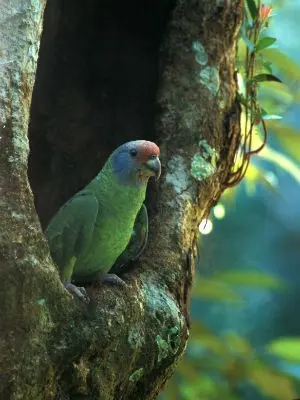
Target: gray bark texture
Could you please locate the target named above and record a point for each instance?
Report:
(126, 343)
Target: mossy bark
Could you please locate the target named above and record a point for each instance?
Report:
(125, 344)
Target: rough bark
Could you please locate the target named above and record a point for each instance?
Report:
(126, 343)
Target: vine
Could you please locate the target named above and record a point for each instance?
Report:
(254, 69)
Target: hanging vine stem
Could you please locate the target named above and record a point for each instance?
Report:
(255, 20)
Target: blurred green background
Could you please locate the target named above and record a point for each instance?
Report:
(245, 336)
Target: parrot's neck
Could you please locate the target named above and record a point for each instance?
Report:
(118, 197)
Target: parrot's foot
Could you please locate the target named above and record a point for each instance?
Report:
(114, 279)
(79, 292)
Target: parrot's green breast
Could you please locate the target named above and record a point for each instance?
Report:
(112, 232)
(108, 242)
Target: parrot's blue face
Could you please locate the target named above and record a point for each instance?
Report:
(134, 162)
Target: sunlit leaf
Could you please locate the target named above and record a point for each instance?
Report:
(252, 8)
(283, 62)
(229, 196)
(264, 43)
(249, 278)
(275, 97)
(296, 93)
(281, 161)
(288, 136)
(272, 384)
(255, 175)
(266, 116)
(252, 177)
(265, 78)
(287, 348)
(212, 290)
(271, 116)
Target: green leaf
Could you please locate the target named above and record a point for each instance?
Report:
(271, 116)
(282, 161)
(275, 97)
(287, 348)
(256, 174)
(284, 63)
(288, 137)
(265, 78)
(264, 43)
(268, 66)
(253, 9)
(274, 385)
(211, 290)
(249, 278)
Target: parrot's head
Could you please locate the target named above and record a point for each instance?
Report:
(135, 162)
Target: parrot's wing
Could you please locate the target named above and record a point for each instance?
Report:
(70, 231)
(137, 242)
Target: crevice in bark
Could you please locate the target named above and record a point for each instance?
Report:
(95, 88)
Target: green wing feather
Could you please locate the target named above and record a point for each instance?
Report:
(71, 229)
(137, 242)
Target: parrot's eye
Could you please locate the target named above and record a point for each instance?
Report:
(133, 152)
(152, 157)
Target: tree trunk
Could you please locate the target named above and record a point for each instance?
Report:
(108, 72)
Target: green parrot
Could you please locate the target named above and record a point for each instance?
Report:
(105, 223)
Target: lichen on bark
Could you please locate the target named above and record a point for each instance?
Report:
(126, 343)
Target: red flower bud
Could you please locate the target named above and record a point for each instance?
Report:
(264, 12)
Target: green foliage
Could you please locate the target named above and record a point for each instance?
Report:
(249, 278)
(252, 7)
(215, 365)
(215, 290)
(270, 382)
(283, 63)
(263, 43)
(222, 286)
(265, 95)
(287, 348)
(288, 137)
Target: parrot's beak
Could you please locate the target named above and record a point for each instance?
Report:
(155, 167)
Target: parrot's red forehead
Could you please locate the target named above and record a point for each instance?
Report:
(147, 149)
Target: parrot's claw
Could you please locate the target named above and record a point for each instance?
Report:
(114, 279)
(79, 292)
